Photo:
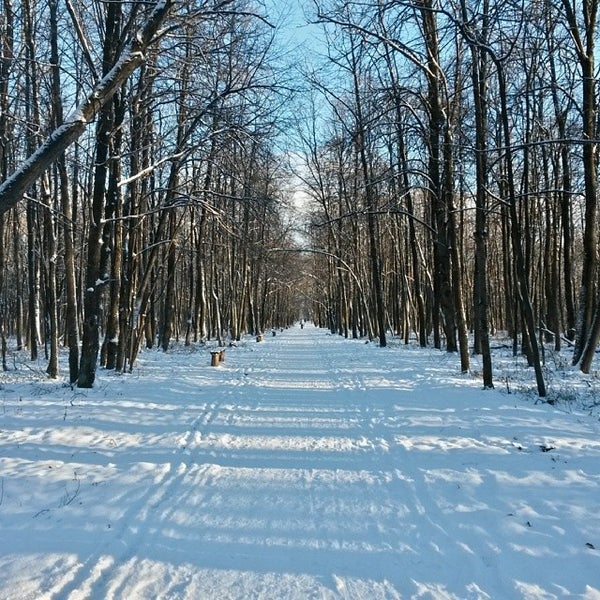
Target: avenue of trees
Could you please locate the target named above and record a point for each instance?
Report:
(454, 174)
(448, 152)
(152, 223)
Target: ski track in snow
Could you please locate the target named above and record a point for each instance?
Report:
(307, 466)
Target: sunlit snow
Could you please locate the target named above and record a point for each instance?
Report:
(305, 466)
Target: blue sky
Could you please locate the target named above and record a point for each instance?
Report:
(291, 16)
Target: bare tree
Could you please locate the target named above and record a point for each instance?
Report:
(583, 33)
(479, 77)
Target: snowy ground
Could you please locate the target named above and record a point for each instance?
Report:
(307, 466)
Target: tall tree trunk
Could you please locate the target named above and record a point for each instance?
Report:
(17, 262)
(144, 317)
(33, 253)
(6, 61)
(112, 244)
(449, 176)
(565, 195)
(587, 333)
(168, 309)
(584, 42)
(3, 308)
(402, 166)
(50, 268)
(516, 236)
(95, 276)
(72, 327)
(135, 203)
(479, 78)
(370, 206)
(438, 195)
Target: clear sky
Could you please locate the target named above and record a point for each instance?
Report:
(291, 17)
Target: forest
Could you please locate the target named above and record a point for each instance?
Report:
(191, 171)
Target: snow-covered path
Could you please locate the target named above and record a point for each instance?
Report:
(307, 466)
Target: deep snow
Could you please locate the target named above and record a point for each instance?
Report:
(306, 466)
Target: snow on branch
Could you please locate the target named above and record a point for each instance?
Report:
(133, 56)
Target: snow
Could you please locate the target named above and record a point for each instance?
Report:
(305, 466)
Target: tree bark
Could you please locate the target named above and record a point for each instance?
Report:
(440, 187)
(71, 324)
(479, 76)
(587, 336)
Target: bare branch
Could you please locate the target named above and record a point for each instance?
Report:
(15, 186)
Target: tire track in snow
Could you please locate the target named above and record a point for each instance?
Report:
(202, 421)
(407, 491)
(326, 498)
(310, 475)
(161, 503)
(96, 572)
(106, 572)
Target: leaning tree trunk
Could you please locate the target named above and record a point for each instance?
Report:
(143, 316)
(516, 237)
(134, 55)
